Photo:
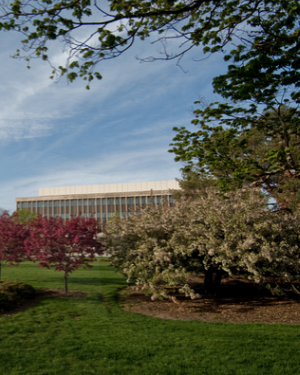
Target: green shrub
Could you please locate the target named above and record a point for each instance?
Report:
(5, 302)
(13, 293)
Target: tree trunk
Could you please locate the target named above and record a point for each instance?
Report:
(212, 280)
(66, 282)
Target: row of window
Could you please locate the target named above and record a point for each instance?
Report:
(138, 201)
(100, 216)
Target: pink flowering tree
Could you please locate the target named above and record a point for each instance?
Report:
(65, 246)
(12, 237)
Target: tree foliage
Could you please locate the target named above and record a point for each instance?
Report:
(12, 240)
(52, 242)
(252, 137)
(63, 245)
(234, 151)
(261, 36)
(217, 235)
(25, 216)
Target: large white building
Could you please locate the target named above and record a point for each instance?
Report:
(102, 201)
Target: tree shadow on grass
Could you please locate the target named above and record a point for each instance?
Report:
(96, 281)
(81, 281)
(244, 290)
(238, 301)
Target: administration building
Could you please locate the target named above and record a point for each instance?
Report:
(102, 201)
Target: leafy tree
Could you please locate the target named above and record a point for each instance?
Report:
(12, 237)
(241, 151)
(63, 245)
(233, 234)
(260, 36)
(191, 186)
(252, 139)
(25, 216)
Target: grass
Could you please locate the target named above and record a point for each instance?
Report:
(92, 335)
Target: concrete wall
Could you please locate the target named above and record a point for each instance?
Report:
(109, 188)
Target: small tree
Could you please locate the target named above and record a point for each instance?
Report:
(63, 245)
(216, 235)
(12, 237)
(25, 216)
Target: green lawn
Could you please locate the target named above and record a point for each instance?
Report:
(92, 335)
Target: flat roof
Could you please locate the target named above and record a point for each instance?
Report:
(110, 188)
(129, 187)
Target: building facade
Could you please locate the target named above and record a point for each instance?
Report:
(101, 201)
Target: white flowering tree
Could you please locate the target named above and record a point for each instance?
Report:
(214, 235)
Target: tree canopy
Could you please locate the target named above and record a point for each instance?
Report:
(251, 138)
(260, 37)
(244, 151)
(215, 235)
(12, 237)
(63, 245)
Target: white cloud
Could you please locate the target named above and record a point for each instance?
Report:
(119, 131)
(143, 165)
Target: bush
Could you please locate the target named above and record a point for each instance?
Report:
(12, 294)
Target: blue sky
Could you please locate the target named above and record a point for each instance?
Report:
(59, 134)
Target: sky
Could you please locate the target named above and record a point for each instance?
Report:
(60, 134)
